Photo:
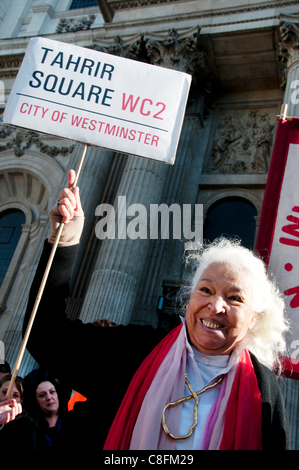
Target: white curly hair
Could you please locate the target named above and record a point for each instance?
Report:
(268, 304)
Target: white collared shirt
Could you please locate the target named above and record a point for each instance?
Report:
(201, 371)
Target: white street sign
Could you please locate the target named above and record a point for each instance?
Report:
(99, 99)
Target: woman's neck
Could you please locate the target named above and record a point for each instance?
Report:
(52, 420)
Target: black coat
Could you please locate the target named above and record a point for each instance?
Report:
(20, 434)
(100, 362)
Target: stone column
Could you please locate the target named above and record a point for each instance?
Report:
(92, 181)
(106, 189)
(289, 59)
(121, 261)
(12, 318)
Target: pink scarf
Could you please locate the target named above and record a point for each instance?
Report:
(235, 420)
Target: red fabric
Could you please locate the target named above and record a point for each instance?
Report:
(243, 419)
(122, 427)
(290, 368)
(287, 133)
(273, 189)
(243, 422)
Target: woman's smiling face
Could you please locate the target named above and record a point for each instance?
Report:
(220, 310)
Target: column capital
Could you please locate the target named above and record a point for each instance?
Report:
(173, 49)
(178, 50)
(289, 41)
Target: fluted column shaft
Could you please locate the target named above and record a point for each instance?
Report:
(291, 97)
(165, 256)
(289, 59)
(121, 262)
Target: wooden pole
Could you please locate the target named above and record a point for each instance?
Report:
(283, 114)
(41, 289)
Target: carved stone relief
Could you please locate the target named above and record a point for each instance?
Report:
(130, 48)
(289, 43)
(66, 25)
(179, 51)
(243, 142)
(9, 67)
(21, 140)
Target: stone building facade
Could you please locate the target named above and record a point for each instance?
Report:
(243, 59)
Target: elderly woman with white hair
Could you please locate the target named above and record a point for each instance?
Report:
(207, 384)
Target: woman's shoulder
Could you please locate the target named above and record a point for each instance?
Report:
(276, 428)
(267, 380)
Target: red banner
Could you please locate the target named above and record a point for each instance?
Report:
(278, 235)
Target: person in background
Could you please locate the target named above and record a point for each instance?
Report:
(9, 409)
(35, 374)
(20, 429)
(17, 391)
(4, 369)
(45, 402)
